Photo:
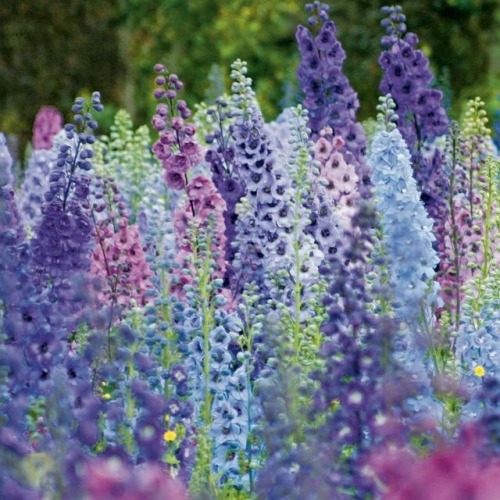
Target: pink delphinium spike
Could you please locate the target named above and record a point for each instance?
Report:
(120, 261)
(48, 123)
(204, 206)
(337, 176)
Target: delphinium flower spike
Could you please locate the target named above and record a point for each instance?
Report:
(12, 234)
(47, 382)
(56, 261)
(46, 134)
(408, 241)
(421, 117)
(481, 200)
(410, 230)
(356, 403)
(181, 156)
(118, 259)
(328, 96)
(469, 234)
(225, 172)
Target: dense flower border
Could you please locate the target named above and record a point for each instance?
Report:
(241, 309)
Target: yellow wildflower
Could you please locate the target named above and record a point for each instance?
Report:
(169, 436)
(479, 371)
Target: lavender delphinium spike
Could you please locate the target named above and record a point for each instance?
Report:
(13, 372)
(47, 125)
(276, 190)
(35, 184)
(225, 173)
(328, 96)
(12, 234)
(276, 203)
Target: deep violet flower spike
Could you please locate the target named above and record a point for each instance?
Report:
(67, 181)
(328, 96)
(421, 116)
(225, 171)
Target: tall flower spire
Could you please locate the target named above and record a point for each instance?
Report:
(328, 96)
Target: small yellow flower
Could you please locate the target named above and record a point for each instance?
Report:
(106, 396)
(479, 371)
(169, 436)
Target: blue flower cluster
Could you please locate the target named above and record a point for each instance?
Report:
(408, 236)
(477, 348)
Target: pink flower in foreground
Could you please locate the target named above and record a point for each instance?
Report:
(111, 478)
(451, 473)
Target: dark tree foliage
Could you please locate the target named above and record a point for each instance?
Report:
(50, 50)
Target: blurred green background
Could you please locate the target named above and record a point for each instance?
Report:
(53, 50)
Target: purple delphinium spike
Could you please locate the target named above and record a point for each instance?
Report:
(12, 234)
(62, 245)
(328, 96)
(421, 117)
(225, 174)
(39, 327)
